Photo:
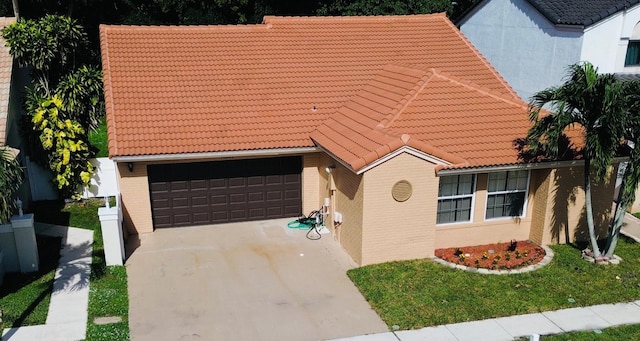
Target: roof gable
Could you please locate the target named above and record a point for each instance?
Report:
(449, 120)
(200, 89)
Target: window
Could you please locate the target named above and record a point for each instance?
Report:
(633, 54)
(455, 198)
(506, 194)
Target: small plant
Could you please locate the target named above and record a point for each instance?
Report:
(485, 255)
(477, 263)
(461, 257)
(507, 256)
(525, 254)
(518, 254)
(458, 252)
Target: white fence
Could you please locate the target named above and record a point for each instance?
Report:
(104, 182)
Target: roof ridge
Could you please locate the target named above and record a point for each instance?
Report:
(471, 85)
(466, 41)
(406, 100)
(183, 27)
(408, 17)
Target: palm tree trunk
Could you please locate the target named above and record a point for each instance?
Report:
(16, 9)
(589, 208)
(626, 196)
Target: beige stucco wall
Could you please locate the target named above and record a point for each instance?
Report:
(635, 207)
(539, 184)
(395, 230)
(565, 219)
(480, 231)
(310, 182)
(348, 200)
(136, 202)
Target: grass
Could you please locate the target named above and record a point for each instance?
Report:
(630, 332)
(419, 293)
(108, 284)
(25, 297)
(98, 139)
(637, 214)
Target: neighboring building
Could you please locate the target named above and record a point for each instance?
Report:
(531, 42)
(397, 122)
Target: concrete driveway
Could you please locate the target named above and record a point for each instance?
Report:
(243, 281)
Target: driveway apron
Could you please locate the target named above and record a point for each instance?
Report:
(243, 281)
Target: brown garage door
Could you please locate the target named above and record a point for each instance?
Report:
(225, 191)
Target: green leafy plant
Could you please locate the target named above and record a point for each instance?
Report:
(65, 100)
(66, 139)
(10, 179)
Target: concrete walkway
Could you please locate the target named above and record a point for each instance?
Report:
(512, 327)
(67, 317)
(631, 227)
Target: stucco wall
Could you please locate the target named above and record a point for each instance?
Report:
(565, 219)
(601, 44)
(623, 28)
(525, 48)
(136, 202)
(348, 200)
(395, 230)
(310, 182)
(539, 185)
(480, 231)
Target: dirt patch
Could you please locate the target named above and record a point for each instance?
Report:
(500, 256)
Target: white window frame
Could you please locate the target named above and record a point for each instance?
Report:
(474, 178)
(526, 195)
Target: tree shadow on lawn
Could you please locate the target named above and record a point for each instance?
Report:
(48, 254)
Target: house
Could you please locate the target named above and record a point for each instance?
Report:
(531, 42)
(397, 124)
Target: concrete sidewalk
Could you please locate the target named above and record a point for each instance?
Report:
(67, 316)
(512, 327)
(631, 227)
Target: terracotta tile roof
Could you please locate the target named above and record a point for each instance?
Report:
(6, 66)
(202, 89)
(453, 121)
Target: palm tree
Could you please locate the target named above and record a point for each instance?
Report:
(631, 176)
(594, 104)
(10, 180)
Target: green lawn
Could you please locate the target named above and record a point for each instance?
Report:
(24, 298)
(631, 332)
(419, 293)
(108, 285)
(98, 139)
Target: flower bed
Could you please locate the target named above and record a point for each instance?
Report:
(501, 256)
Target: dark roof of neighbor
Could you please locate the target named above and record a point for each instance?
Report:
(580, 12)
(572, 12)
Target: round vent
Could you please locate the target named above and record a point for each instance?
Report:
(402, 190)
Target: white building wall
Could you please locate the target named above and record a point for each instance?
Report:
(630, 18)
(601, 42)
(525, 48)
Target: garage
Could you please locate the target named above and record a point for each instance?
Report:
(201, 193)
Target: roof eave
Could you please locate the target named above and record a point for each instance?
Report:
(215, 155)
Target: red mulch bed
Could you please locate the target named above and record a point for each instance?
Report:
(501, 256)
